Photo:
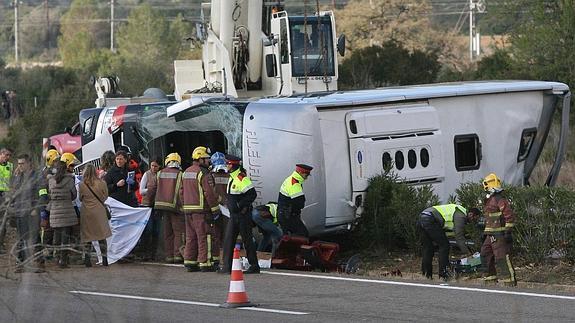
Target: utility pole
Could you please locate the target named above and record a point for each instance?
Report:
(16, 31)
(474, 36)
(47, 24)
(112, 48)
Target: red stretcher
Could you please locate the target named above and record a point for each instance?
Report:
(297, 253)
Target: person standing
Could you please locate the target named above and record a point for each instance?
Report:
(6, 170)
(266, 218)
(168, 203)
(436, 224)
(24, 202)
(116, 180)
(200, 204)
(498, 243)
(291, 201)
(240, 196)
(148, 187)
(47, 233)
(218, 229)
(107, 161)
(63, 217)
(94, 225)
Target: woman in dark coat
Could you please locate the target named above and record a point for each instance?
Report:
(62, 214)
(118, 188)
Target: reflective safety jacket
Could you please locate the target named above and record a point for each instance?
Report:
(273, 208)
(499, 216)
(240, 192)
(43, 197)
(5, 175)
(198, 191)
(446, 212)
(291, 193)
(221, 180)
(168, 189)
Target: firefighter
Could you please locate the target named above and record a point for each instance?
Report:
(47, 233)
(240, 196)
(200, 204)
(221, 177)
(167, 202)
(499, 221)
(291, 201)
(436, 225)
(6, 171)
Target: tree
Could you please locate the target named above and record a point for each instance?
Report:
(83, 38)
(36, 37)
(543, 43)
(390, 64)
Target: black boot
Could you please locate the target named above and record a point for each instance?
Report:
(105, 261)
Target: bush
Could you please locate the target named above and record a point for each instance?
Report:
(545, 222)
(391, 211)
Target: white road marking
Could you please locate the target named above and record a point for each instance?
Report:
(385, 282)
(177, 301)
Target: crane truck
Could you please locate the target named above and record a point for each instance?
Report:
(253, 48)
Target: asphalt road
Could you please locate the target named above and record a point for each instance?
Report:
(155, 293)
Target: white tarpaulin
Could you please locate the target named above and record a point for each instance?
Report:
(127, 225)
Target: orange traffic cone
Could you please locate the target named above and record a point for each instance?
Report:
(237, 296)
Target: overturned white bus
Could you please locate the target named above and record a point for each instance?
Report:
(440, 134)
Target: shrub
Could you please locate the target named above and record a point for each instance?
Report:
(545, 221)
(391, 211)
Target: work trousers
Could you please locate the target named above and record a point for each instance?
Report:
(431, 232)
(217, 231)
(3, 219)
(239, 223)
(495, 259)
(174, 230)
(291, 222)
(196, 240)
(271, 233)
(149, 242)
(62, 237)
(28, 238)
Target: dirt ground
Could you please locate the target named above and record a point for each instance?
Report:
(553, 275)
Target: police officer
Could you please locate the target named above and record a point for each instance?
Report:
(167, 202)
(436, 224)
(240, 196)
(200, 204)
(6, 170)
(291, 201)
(499, 221)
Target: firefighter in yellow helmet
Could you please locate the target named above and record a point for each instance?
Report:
(70, 160)
(499, 221)
(200, 205)
(47, 233)
(168, 203)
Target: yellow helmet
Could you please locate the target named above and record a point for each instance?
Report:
(69, 159)
(200, 152)
(51, 156)
(173, 157)
(491, 182)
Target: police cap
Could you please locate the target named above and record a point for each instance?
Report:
(233, 160)
(303, 168)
